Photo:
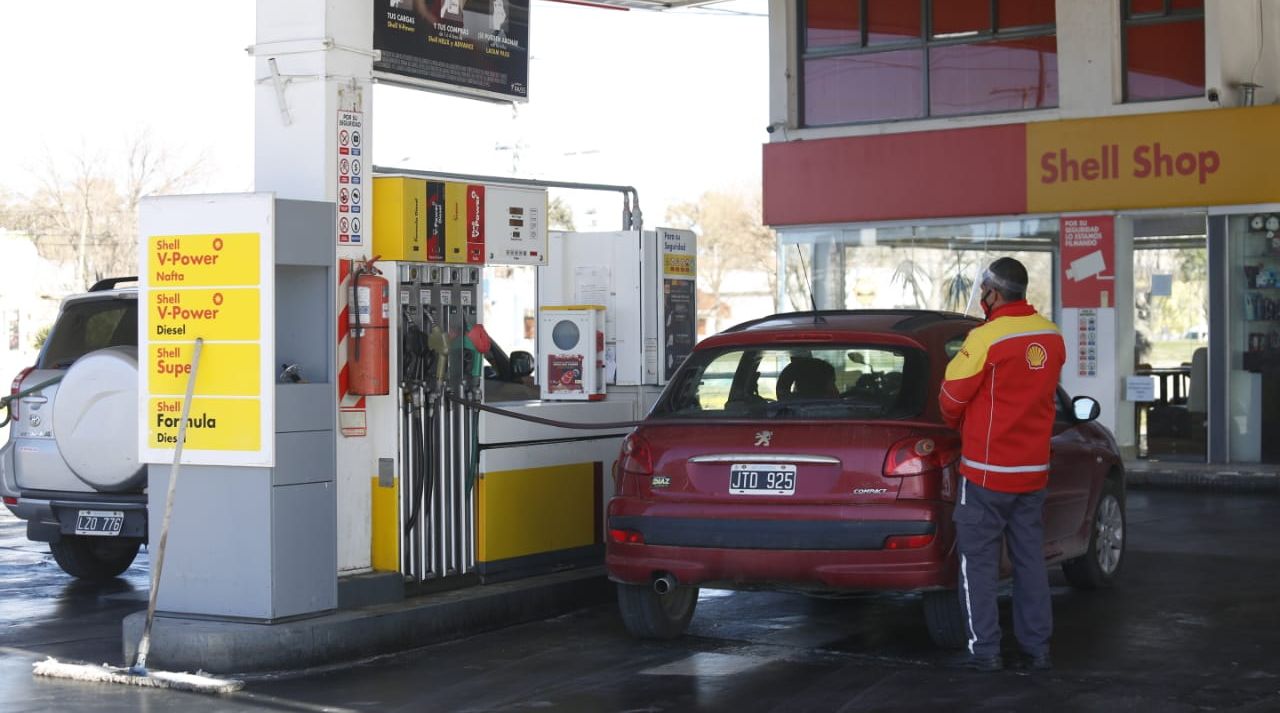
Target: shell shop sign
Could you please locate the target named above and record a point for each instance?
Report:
(1212, 157)
(1167, 160)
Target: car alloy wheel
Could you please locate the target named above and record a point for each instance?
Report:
(1109, 541)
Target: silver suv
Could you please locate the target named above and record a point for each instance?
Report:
(70, 468)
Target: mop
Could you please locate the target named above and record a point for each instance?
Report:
(138, 675)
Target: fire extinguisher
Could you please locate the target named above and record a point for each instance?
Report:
(369, 317)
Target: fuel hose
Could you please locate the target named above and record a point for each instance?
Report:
(7, 401)
(594, 426)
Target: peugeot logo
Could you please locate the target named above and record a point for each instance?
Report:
(763, 438)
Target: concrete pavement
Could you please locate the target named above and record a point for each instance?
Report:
(1191, 627)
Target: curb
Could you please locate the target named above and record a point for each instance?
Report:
(1226, 481)
(345, 636)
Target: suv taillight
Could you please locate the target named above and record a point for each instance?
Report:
(14, 388)
(916, 455)
(637, 456)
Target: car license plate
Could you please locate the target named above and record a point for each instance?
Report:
(762, 479)
(102, 523)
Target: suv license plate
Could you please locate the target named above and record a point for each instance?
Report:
(103, 523)
(762, 479)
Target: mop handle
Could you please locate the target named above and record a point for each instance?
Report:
(144, 646)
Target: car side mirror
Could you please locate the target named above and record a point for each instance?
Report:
(1085, 408)
(521, 364)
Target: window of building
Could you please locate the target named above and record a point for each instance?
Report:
(883, 60)
(1163, 49)
(910, 266)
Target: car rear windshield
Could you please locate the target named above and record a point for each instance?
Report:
(852, 382)
(88, 325)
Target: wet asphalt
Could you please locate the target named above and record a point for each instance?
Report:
(1192, 626)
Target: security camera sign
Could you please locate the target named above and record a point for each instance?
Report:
(1088, 261)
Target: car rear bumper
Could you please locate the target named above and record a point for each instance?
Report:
(805, 547)
(49, 518)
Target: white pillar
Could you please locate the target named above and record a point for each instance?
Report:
(314, 58)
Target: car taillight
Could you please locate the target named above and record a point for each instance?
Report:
(916, 455)
(907, 542)
(637, 456)
(10, 501)
(626, 537)
(14, 388)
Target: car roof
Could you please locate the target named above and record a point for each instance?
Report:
(902, 321)
(902, 326)
(106, 289)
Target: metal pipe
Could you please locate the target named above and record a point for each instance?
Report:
(632, 218)
(664, 583)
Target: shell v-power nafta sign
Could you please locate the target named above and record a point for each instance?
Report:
(217, 286)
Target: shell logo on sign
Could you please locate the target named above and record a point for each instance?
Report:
(1036, 356)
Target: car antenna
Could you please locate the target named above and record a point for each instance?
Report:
(817, 317)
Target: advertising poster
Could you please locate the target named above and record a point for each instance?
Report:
(564, 373)
(1088, 261)
(477, 47)
(678, 328)
(435, 221)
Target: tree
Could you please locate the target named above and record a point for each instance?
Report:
(86, 209)
(560, 215)
(730, 237)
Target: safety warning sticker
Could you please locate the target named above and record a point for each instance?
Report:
(350, 189)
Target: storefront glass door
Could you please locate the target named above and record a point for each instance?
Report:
(1253, 282)
(1171, 335)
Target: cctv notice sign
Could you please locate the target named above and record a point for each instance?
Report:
(206, 265)
(1088, 261)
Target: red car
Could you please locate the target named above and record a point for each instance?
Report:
(806, 452)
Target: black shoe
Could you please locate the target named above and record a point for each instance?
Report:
(986, 664)
(1034, 662)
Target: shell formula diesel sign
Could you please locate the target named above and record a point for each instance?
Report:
(207, 285)
(1165, 160)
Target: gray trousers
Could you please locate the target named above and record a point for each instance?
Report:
(982, 517)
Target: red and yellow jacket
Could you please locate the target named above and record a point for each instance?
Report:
(999, 391)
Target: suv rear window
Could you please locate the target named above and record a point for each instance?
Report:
(857, 382)
(88, 325)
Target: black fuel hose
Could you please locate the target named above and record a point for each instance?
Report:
(597, 426)
(7, 401)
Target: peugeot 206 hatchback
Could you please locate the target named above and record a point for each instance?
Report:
(806, 452)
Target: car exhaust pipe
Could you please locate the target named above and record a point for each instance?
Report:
(664, 584)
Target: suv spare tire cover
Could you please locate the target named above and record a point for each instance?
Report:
(95, 419)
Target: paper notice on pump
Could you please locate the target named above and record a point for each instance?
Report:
(593, 285)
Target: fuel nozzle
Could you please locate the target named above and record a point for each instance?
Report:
(476, 344)
(438, 346)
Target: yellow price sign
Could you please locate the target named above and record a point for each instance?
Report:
(676, 265)
(225, 369)
(204, 260)
(217, 315)
(214, 424)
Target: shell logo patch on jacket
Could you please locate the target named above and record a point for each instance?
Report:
(1000, 392)
(1036, 356)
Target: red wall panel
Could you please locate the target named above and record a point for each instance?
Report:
(928, 174)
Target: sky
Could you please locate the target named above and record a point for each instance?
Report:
(673, 103)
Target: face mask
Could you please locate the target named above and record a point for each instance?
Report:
(986, 307)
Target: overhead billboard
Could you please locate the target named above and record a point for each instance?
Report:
(472, 47)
